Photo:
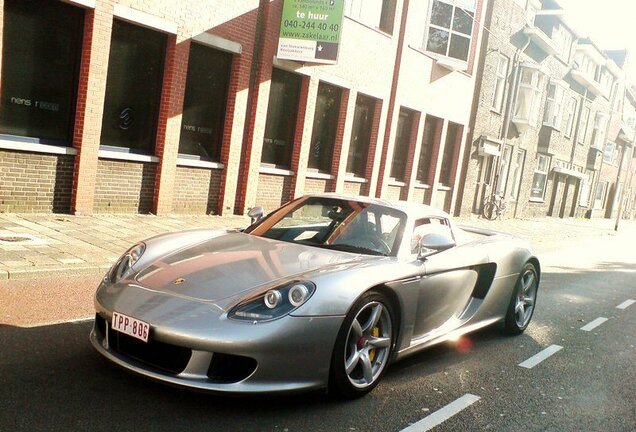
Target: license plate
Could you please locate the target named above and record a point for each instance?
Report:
(131, 326)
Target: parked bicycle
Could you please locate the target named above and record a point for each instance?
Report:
(494, 208)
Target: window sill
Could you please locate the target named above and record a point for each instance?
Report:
(393, 182)
(421, 186)
(495, 111)
(264, 169)
(354, 179)
(20, 145)
(199, 163)
(319, 175)
(120, 155)
(537, 200)
(444, 188)
(370, 27)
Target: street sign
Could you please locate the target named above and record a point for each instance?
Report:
(310, 30)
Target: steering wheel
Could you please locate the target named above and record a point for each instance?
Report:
(379, 244)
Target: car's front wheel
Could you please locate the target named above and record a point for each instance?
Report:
(523, 300)
(363, 347)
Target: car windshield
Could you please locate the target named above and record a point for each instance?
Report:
(338, 224)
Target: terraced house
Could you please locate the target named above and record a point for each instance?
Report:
(552, 125)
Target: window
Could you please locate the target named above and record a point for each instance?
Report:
(378, 14)
(517, 170)
(402, 144)
(540, 178)
(450, 28)
(606, 81)
(280, 125)
(570, 112)
(133, 87)
(586, 188)
(450, 148)
(501, 72)
(531, 12)
(608, 152)
(204, 102)
(599, 196)
(600, 130)
(554, 105)
(323, 136)
(428, 141)
(583, 122)
(529, 97)
(361, 136)
(563, 40)
(40, 69)
(504, 167)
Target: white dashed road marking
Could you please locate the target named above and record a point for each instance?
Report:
(443, 414)
(539, 357)
(626, 304)
(592, 325)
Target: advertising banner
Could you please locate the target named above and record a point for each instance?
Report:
(310, 30)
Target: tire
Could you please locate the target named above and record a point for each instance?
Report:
(523, 301)
(363, 347)
(489, 211)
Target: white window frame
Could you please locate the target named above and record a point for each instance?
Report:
(554, 105)
(517, 167)
(599, 202)
(455, 4)
(584, 121)
(570, 110)
(504, 168)
(563, 40)
(499, 90)
(586, 189)
(367, 12)
(600, 131)
(609, 152)
(534, 88)
(542, 169)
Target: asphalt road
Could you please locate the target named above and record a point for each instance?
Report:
(51, 379)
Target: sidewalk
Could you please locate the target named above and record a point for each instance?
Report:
(42, 244)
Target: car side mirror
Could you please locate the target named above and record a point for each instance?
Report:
(433, 243)
(256, 214)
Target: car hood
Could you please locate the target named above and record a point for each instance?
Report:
(232, 264)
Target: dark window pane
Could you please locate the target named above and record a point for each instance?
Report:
(40, 59)
(204, 102)
(437, 41)
(361, 136)
(323, 136)
(402, 141)
(428, 138)
(133, 87)
(463, 21)
(449, 154)
(441, 14)
(280, 126)
(459, 47)
(387, 16)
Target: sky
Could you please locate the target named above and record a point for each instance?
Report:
(611, 24)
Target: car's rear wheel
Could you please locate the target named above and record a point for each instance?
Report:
(363, 347)
(523, 301)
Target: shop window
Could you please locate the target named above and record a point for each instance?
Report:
(450, 148)
(540, 178)
(554, 106)
(583, 122)
(600, 195)
(450, 28)
(280, 126)
(204, 103)
(40, 69)
(133, 87)
(325, 127)
(501, 72)
(528, 97)
(378, 14)
(402, 143)
(570, 111)
(428, 143)
(361, 136)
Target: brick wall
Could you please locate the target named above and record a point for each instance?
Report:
(316, 186)
(196, 190)
(393, 193)
(33, 182)
(273, 191)
(353, 188)
(124, 187)
(419, 195)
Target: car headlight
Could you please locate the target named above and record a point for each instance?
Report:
(123, 266)
(274, 303)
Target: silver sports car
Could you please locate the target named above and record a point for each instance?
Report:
(324, 292)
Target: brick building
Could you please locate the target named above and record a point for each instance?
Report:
(548, 128)
(162, 106)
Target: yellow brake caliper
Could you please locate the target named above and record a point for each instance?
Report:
(375, 332)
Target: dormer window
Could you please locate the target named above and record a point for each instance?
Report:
(450, 29)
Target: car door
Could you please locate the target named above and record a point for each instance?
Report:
(445, 287)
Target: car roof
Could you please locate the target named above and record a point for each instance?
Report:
(414, 210)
